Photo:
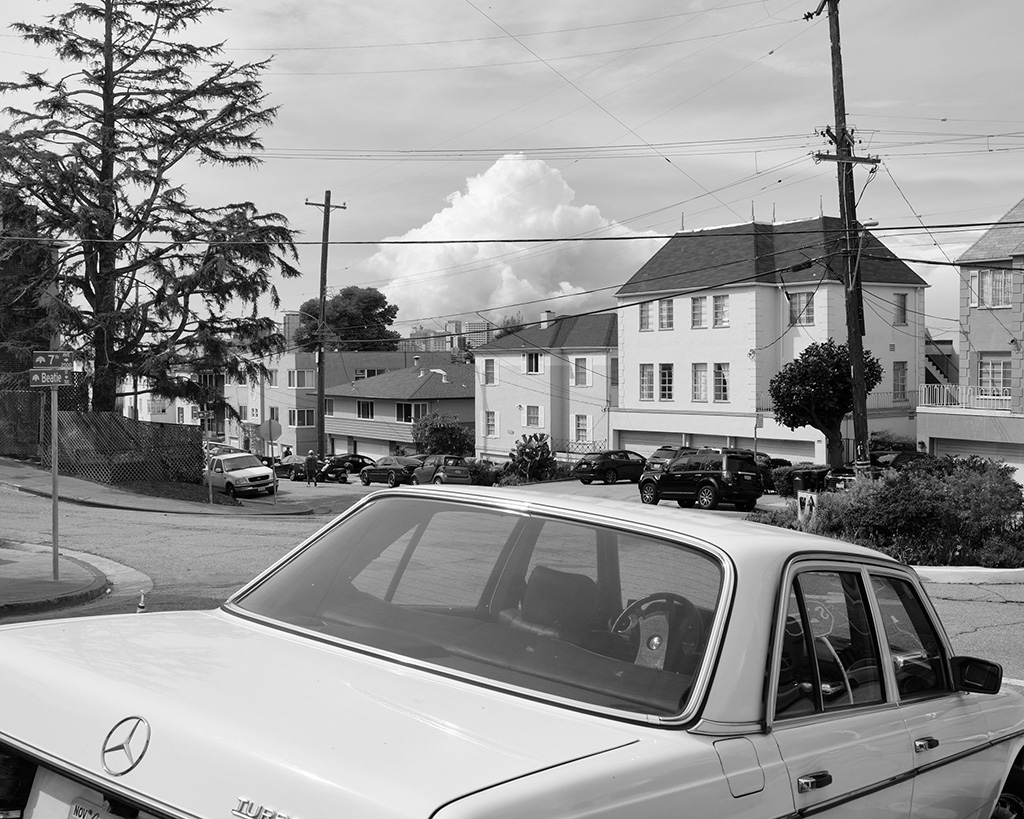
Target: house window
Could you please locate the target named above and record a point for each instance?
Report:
(994, 375)
(407, 413)
(665, 373)
(301, 418)
(900, 312)
(364, 410)
(490, 372)
(579, 373)
(700, 382)
(991, 288)
(181, 415)
(646, 382)
(582, 428)
(698, 311)
(721, 382)
(271, 378)
(490, 424)
(666, 311)
(645, 316)
(899, 381)
(801, 308)
(301, 379)
(367, 372)
(328, 406)
(243, 412)
(275, 414)
(721, 311)
(532, 415)
(613, 373)
(533, 363)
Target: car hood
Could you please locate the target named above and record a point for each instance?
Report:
(238, 711)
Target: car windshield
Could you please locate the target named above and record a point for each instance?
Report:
(594, 456)
(665, 452)
(568, 608)
(241, 462)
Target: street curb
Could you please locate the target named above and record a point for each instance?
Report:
(95, 589)
(198, 510)
(969, 575)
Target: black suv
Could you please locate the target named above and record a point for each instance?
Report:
(609, 466)
(663, 454)
(706, 478)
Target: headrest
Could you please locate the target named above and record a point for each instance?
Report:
(562, 600)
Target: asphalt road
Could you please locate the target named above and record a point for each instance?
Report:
(196, 562)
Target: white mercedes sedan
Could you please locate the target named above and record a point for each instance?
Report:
(483, 653)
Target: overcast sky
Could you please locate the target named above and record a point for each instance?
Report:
(469, 120)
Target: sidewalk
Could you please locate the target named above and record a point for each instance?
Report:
(26, 570)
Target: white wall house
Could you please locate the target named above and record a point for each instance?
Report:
(715, 314)
(984, 413)
(558, 377)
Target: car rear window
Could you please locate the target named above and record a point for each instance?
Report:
(531, 601)
(740, 463)
(665, 452)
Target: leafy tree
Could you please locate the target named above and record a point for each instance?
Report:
(442, 433)
(816, 391)
(149, 283)
(357, 318)
(510, 324)
(532, 459)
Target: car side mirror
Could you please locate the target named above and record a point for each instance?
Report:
(976, 676)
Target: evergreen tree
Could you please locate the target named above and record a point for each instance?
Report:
(357, 318)
(149, 283)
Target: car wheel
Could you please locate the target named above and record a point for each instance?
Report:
(439, 479)
(586, 481)
(1010, 804)
(271, 490)
(392, 479)
(611, 476)
(293, 475)
(707, 497)
(229, 489)
(364, 479)
(649, 493)
(415, 481)
(747, 506)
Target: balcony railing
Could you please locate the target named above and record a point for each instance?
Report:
(951, 395)
(876, 401)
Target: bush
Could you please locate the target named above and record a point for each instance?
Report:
(882, 440)
(785, 517)
(782, 477)
(482, 472)
(766, 466)
(532, 459)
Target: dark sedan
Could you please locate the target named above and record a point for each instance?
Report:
(292, 467)
(391, 469)
(339, 467)
(610, 466)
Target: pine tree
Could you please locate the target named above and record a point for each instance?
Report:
(150, 283)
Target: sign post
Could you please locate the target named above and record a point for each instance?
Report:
(52, 368)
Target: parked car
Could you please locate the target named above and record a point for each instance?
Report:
(609, 466)
(518, 654)
(240, 473)
(292, 467)
(391, 469)
(339, 467)
(706, 478)
(442, 469)
(663, 454)
(840, 477)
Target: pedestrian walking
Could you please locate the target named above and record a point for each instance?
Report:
(311, 467)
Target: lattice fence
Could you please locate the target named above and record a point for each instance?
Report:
(109, 448)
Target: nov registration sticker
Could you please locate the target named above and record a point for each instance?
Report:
(81, 809)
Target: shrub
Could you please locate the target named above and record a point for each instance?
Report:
(766, 466)
(782, 477)
(882, 440)
(511, 479)
(482, 472)
(532, 459)
(785, 517)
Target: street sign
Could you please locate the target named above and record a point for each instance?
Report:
(53, 359)
(49, 378)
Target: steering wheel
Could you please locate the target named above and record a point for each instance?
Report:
(657, 622)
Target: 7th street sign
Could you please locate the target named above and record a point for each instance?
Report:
(53, 359)
(49, 378)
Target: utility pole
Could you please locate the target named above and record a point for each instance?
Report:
(321, 442)
(845, 160)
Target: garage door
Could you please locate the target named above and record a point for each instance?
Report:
(792, 451)
(646, 442)
(1012, 454)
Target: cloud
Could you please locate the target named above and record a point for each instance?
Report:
(516, 198)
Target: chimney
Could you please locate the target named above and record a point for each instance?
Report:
(443, 374)
(546, 317)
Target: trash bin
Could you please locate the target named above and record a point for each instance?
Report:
(810, 480)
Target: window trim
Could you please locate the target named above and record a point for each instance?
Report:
(646, 324)
(666, 314)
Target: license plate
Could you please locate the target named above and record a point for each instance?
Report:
(81, 809)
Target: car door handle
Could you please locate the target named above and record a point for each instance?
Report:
(925, 744)
(813, 782)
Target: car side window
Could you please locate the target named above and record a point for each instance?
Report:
(694, 463)
(713, 464)
(914, 644)
(830, 658)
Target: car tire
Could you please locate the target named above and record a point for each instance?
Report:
(611, 476)
(392, 480)
(271, 490)
(229, 490)
(649, 494)
(293, 475)
(707, 497)
(747, 506)
(586, 481)
(415, 481)
(1010, 804)
(364, 479)
(439, 479)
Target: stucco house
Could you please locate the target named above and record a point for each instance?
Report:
(558, 377)
(714, 314)
(983, 414)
